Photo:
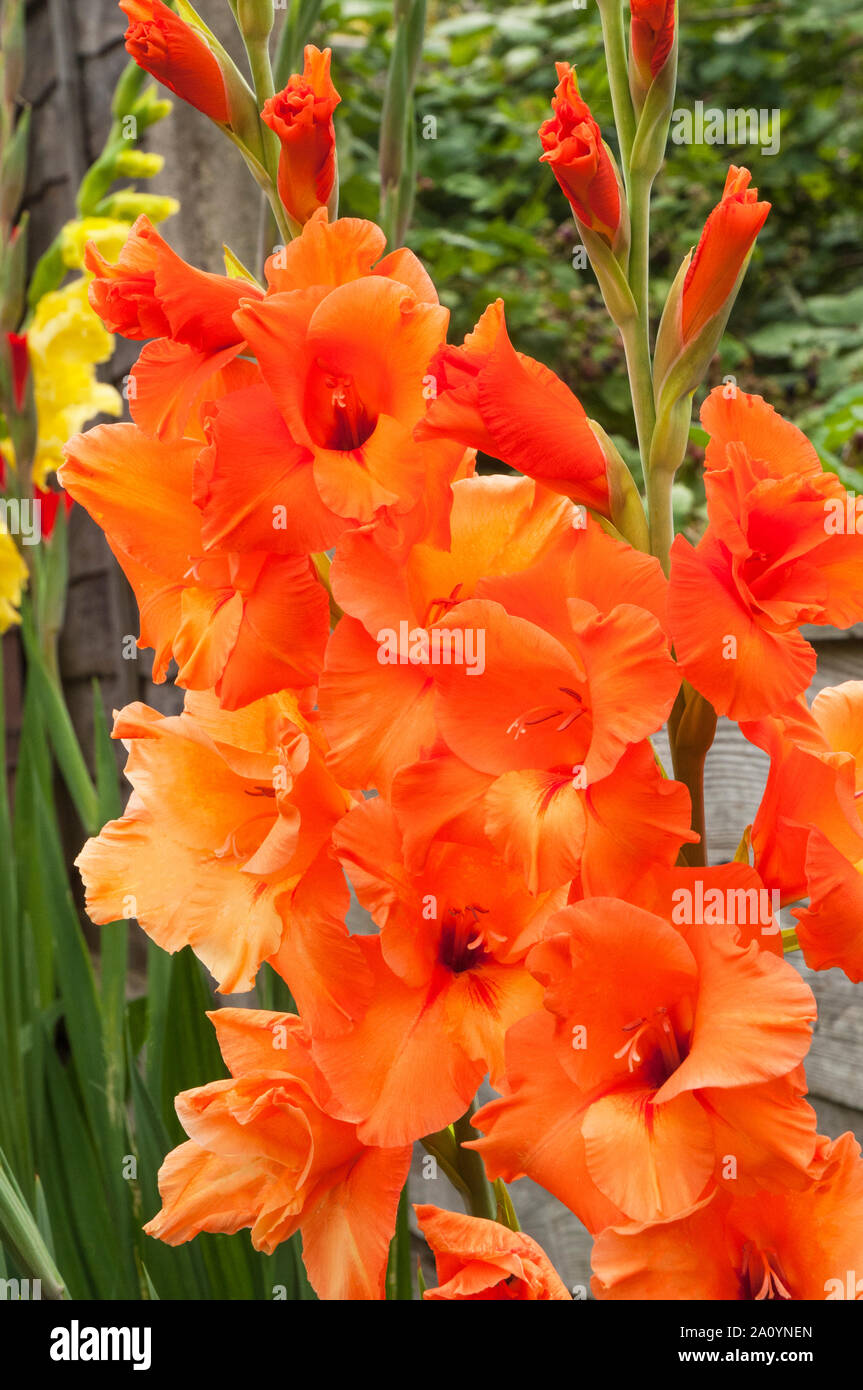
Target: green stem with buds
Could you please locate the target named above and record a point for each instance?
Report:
(662, 441)
(639, 280)
(635, 346)
(660, 517)
(633, 323)
(611, 16)
(262, 72)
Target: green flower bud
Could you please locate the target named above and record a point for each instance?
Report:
(136, 164)
(128, 204)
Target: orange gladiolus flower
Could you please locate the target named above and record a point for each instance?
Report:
(168, 48)
(254, 467)
(807, 836)
(346, 369)
(151, 292)
(264, 1153)
(785, 1245)
(483, 1261)
(681, 1046)
(254, 486)
(728, 237)
(830, 929)
(766, 563)
(550, 828)
(811, 784)
(536, 755)
(651, 35)
(302, 117)
(489, 397)
(449, 979)
(243, 624)
(535, 1129)
(335, 253)
(730, 894)
(376, 702)
(248, 878)
(573, 147)
(558, 727)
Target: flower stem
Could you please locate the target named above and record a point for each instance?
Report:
(633, 331)
(611, 16)
(691, 730)
(660, 516)
(634, 327)
(444, 1151)
(464, 1167)
(480, 1193)
(639, 262)
(261, 68)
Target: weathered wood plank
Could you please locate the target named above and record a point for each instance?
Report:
(834, 1066)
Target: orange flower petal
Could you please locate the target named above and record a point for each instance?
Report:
(255, 486)
(377, 718)
(480, 1259)
(400, 1073)
(348, 1228)
(762, 670)
(652, 1161)
(535, 1130)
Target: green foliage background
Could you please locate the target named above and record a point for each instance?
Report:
(490, 220)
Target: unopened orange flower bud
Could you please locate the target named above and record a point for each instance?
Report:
(651, 36)
(727, 239)
(302, 118)
(170, 49)
(573, 146)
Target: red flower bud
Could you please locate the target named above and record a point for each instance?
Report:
(20, 366)
(168, 48)
(582, 165)
(651, 35)
(728, 237)
(302, 118)
(50, 499)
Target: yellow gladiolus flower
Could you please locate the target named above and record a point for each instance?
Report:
(67, 342)
(13, 579)
(108, 233)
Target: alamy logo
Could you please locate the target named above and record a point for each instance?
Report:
(843, 516)
(20, 1290)
(77, 1343)
(736, 126)
(850, 1288)
(22, 518)
(439, 646)
(754, 907)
